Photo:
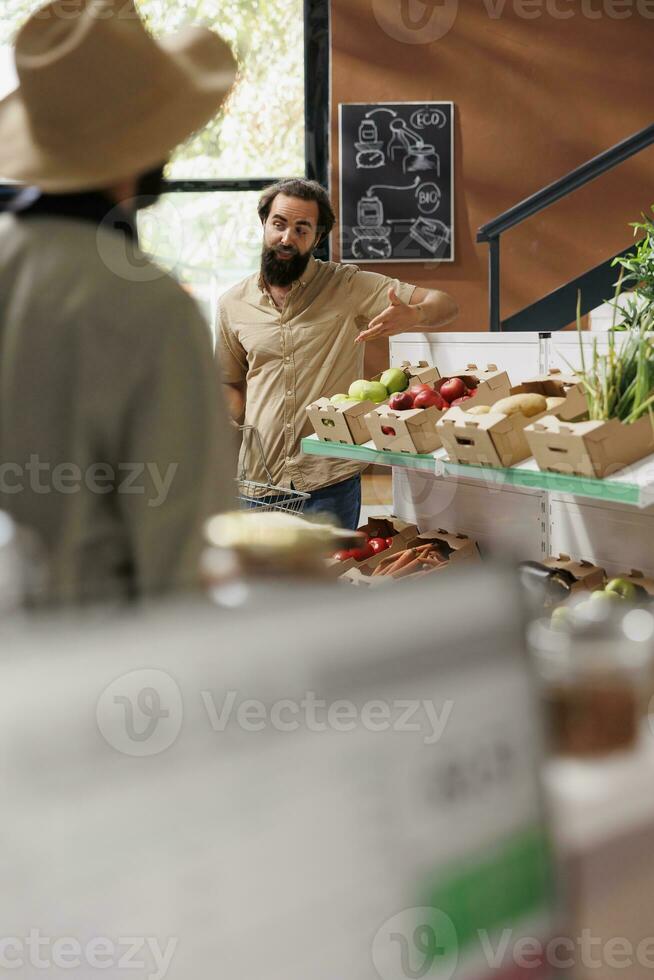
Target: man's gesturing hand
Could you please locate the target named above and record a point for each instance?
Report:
(397, 318)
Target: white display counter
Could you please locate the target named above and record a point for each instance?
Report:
(520, 510)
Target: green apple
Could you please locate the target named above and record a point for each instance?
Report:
(368, 391)
(623, 588)
(335, 399)
(395, 379)
(602, 596)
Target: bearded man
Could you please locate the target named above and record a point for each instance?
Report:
(296, 331)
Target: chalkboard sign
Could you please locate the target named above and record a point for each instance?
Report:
(397, 174)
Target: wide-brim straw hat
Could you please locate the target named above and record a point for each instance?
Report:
(100, 99)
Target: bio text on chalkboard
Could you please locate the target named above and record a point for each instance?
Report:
(396, 182)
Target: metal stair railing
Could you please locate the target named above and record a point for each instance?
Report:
(557, 309)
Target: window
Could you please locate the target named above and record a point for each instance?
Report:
(261, 130)
(205, 229)
(209, 240)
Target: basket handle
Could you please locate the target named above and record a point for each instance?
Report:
(253, 429)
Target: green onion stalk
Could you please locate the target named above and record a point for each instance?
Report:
(620, 383)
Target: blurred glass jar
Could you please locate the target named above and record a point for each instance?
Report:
(595, 676)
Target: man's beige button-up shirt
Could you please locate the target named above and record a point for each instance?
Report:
(291, 356)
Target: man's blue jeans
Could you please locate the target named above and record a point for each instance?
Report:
(341, 501)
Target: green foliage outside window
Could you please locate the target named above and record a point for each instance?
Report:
(261, 130)
(211, 240)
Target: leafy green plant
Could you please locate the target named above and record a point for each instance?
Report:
(638, 266)
(636, 273)
(620, 383)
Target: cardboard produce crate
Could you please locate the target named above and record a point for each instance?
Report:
(377, 527)
(413, 431)
(483, 440)
(558, 385)
(456, 547)
(421, 372)
(492, 384)
(347, 425)
(499, 440)
(596, 449)
(586, 576)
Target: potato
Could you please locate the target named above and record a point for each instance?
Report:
(554, 402)
(478, 410)
(526, 405)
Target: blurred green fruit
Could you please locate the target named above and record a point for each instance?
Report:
(623, 588)
(335, 399)
(395, 379)
(603, 596)
(368, 391)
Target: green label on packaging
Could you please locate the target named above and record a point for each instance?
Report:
(512, 881)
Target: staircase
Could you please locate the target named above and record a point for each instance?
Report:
(558, 308)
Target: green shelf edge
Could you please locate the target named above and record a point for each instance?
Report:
(611, 492)
(616, 493)
(338, 450)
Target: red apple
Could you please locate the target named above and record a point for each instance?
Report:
(389, 542)
(377, 545)
(460, 401)
(415, 388)
(472, 392)
(453, 388)
(387, 430)
(363, 553)
(343, 555)
(425, 399)
(401, 402)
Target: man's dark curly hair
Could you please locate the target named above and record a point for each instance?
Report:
(307, 190)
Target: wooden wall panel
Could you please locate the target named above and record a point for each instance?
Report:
(534, 98)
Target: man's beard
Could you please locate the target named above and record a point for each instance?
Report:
(282, 272)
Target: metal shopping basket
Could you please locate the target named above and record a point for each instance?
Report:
(265, 496)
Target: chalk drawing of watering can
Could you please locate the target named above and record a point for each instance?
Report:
(416, 154)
